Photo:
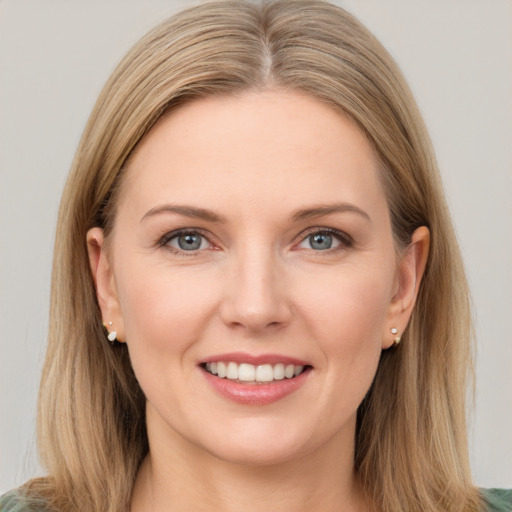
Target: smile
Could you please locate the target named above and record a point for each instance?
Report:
(255, 380)
(250, 373)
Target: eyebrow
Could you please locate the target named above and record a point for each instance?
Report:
(297, 215)
(327, 209)
(186, 211)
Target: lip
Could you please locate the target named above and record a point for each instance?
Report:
(256, 394)
(241, 357)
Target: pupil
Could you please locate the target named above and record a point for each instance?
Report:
(189, 242)
(321, 241)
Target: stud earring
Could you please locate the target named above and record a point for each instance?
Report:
(394, 332)
(112, 335)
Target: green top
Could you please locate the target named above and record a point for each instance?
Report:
(11, 502)
(496, 500)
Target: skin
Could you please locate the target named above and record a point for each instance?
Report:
(257, 285)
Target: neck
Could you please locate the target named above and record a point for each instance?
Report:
(179, 476)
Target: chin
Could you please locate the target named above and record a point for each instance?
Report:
(261, 445)
(255, 456)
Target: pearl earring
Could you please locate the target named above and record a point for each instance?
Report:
(394, 332)
(112, 335)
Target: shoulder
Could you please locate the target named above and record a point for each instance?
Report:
(497, 500)
(13, 501)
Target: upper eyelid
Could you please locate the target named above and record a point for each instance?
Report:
(167, 237)
(341, 235)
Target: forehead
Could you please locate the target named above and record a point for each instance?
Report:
(264, 149)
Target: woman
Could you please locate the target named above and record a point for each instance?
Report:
(258, 299)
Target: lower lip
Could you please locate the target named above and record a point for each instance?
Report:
(256, 394)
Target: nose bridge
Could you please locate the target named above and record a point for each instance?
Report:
(256, 296)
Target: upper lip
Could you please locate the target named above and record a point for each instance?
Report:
(256, 360)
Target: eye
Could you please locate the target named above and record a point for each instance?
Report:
(185, 241)
(320, 241)
(325, 240)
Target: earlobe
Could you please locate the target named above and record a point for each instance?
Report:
(410, 272)
(102, 275)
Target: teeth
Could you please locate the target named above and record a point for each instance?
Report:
(246, 372)
(264, 373)
(298, 370)
(250, 373)
(232, 371)
(221, 369)
(279, 372)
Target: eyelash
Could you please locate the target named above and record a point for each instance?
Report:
(164, 241)
(345, 240)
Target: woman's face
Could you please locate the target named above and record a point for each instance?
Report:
(253, 238)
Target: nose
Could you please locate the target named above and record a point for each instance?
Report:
(256, 297)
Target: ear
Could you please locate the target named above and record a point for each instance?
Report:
(103, 277)
(410, 271)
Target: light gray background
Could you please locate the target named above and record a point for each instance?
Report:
(56, 54)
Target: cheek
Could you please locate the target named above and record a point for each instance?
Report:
(163, 311)
(165, 314)
(340, 312)
(348, 307)
(345, 313)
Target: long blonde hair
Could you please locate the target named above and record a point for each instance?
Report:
(411, 446)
